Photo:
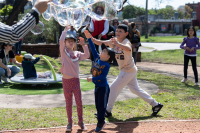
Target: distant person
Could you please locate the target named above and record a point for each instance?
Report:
(191, 42)
(125, 21)
(115, 24)
(134, 37)
(29, 70)
(111, 31)
(72, 31)
(7, 55)
(18, 47)
(110, 34)
(99, 29)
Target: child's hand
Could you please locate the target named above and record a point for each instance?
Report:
(34, 55)
(89, 79)
(40, 56)
(87, 34)
(8, 72)
(187, 48)
(114, 40)
(67, 28)
(192, 49)
(81, 41)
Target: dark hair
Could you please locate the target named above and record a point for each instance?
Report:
(115, 20)
(99, 7)
(3, 46)
(132, 24)
(191, 27)
(125, 28)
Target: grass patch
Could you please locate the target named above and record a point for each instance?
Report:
(167, 56)
(27, 89)
(165, 39)
(181, 101)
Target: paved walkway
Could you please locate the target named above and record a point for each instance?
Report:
(169, 69)
(57, 100)
(158, 46)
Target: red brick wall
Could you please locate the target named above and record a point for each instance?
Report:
(51, 50)
(198, 13)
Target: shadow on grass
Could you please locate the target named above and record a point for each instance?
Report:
(192, 86)
(28, 89)
(125, 126)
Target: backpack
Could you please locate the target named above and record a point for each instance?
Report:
(135, 38)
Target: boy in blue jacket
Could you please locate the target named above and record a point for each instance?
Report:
(29, 70)
(100, 71)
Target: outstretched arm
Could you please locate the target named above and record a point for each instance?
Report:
(86, 53)
(62, 38)
(12, 34)
(126, 47)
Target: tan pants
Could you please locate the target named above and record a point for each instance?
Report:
(129, 79)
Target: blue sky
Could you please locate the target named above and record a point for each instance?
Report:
(174, 3)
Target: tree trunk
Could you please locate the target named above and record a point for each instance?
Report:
(17, 8)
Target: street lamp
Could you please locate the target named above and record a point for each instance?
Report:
(146, 15)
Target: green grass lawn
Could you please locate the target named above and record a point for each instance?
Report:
(166, 39)
(181, 101)
(167, 56)
(27, 89)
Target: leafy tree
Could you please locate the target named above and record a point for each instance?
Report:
(185, 12)
(130, 11)
(167, 12)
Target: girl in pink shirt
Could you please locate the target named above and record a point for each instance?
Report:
(70, 70)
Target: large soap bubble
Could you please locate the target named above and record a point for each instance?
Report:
(38, 29)
(77, 12)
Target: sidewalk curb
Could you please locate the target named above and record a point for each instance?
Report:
(142, 121)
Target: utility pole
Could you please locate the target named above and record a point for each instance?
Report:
(146, 16)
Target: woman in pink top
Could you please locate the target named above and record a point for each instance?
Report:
(70, 70)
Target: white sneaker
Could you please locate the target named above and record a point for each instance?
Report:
(48, 74)
(196, 84)
(5, 79)
(183, 80)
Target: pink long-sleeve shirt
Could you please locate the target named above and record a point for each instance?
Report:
(70, 59)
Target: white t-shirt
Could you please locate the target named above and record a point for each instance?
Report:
(124, 58)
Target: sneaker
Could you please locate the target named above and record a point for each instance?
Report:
(108, 114)
(196, 84)
(100, 127)
(183, 80)
(82, 126)
(1, 83)
(5, 79)
(156, 109)
(69, 127)
(48, 74)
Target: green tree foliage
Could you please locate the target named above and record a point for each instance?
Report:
(49, 33)
(167, 12)
(130, 11)
(185, 12)
(6, 10)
